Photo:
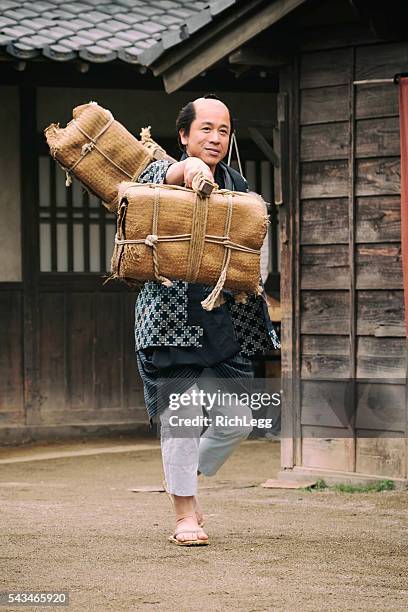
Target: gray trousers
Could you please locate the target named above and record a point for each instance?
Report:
(184, 456)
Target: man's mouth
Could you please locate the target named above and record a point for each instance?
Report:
(213, 151)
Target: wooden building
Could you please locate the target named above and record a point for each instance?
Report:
(67, 363)
(344, 354)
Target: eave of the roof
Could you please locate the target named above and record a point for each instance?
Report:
(210, 45)
(133, 31)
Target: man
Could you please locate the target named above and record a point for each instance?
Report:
(177, 340)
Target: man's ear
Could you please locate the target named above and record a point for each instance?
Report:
(183, 138)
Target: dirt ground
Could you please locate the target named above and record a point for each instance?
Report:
(71, 523)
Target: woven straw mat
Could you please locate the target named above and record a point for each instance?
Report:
(121, 157)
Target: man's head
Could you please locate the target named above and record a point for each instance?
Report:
(204, 129)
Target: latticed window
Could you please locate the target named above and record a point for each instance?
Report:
(76, 230)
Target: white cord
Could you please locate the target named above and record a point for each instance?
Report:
(234, 142)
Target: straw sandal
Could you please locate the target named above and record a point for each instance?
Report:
(196, 542)
(169, 495)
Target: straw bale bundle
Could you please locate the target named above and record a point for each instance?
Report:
(166, 232)
(100, 152)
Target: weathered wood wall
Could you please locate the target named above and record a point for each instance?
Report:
(347, 259)
(87, 368)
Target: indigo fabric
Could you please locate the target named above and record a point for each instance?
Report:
(161, 313)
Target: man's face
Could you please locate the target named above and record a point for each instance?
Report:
(209, 133)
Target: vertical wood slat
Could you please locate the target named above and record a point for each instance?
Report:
(53, 215)
(80, 350)
(273, 234)
(352, 264)
(86, 239)
(52, 343)
(70, 228)
(102, 237)
(11, 356)
(285, 195)
(296, 272)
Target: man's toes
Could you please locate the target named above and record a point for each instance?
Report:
(201, 535)
(183, 537)
(191, 536)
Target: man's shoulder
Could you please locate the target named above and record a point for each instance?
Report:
(155, 172)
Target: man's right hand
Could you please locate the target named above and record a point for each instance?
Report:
(183, 172)
(193, 166)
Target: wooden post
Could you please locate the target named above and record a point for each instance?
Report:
(288, 289)
(30, 250)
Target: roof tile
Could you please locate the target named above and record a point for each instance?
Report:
(182, 13)
(130, 54)
(6, 21)
(8, 4)
(56, 33)
(94, 16)
(150, 55)
(130, 18)
(112, 25)
(166, 4)
(75, 25)
(57, 13)
(36, 41)
(150, 28)
(114, 43)
(217, 6)
(198, 21)
(43, 5)
(76, 7)
(132, 36)
(74, 43)
(78, 42)
(111, 8)
(149, 11)
(199, 6)
(38, 24)
(17, 31)
(171, 38)
(21, 51)
(167, 20)
(145, 44)
(131, 3)
(20, 13)
(95, 53)
(59, 52)
(98, 3)
(94, 34)
(5, 40)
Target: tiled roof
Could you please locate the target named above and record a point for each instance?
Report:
(135, 31)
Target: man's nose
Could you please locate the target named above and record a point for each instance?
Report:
(214, 136)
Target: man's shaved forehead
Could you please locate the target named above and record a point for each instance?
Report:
(205, 101)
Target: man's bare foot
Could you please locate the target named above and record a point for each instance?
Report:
(198, 512)
(197, 508)
(187, 529)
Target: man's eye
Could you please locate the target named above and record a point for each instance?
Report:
(206, 129)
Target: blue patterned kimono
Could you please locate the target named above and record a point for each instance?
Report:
(161, 320)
